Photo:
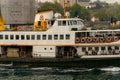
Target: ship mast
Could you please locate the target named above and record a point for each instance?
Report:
(65, 9)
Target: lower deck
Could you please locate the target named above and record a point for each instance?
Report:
(64, 62)
(60, 56)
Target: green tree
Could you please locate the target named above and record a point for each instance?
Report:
(51, 6)
(105, 13)
(81, 11)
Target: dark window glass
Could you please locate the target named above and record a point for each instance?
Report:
(116, 47)
(11, 37)
(44, 37)
(56, 37)
(67, 36)
(97, 48)
(32, 37)
(64, 23)
(109, 48)
(59, 23)
(22, 37)
(1, 36)
(61, 37)
(6, 36)
(49, 37)
(102, 48)
(28, 37)
(83, 49)
(89, 48)
(17, 37)
(38, 37)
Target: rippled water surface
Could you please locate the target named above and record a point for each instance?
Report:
(48, 73)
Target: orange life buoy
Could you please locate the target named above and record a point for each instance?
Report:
(116, 38)
(96, 39)
(109, 39)
(102, 39)
(83, 40)
(19, 28)
(89, 40)
(77, 40)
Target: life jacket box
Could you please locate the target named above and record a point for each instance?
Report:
(12, 52)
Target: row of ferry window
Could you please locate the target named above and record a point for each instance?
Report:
(34, 37)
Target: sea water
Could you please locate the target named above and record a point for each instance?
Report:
(52, 73)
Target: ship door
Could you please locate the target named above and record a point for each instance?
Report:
(67, 52)
(70, 52)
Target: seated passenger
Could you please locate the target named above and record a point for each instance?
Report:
(110, 52)
(116, 51)
(90, 52)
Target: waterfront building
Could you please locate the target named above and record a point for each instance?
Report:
(18, 11)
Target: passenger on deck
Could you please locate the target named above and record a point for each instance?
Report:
(90, 52)
(110, 52)
(103, 52)
(116, 51)
(94, 52)
(86, 52)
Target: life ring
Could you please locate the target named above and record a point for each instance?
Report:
(109, 39)
(116, 38)
(95, 39)
(77, 40)
(102, 39)
(83, 40)
(89, 40)
(19, 28)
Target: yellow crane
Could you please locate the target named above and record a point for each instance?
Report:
(1, 23)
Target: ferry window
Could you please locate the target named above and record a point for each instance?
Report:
(61, 37)
(116, 47)
(56, 37)
(75, 22)
(22, 37)
(89, 48)
(59, 23)
(17, 37)
(102, 48)
(38, 37)
(83, 49)
(11, 37)
(67, 36)
(64, 23)
(49, 37)
(109, 48)
(97, 48)
(33, 37)
(28, 37)
(44, 37)
(6, 36)
(1, 36)
(69, 23)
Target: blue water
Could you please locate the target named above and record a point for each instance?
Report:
(48, 73)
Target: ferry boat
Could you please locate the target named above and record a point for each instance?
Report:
(59, 42)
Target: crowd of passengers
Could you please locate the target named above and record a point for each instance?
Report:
(103, 52)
